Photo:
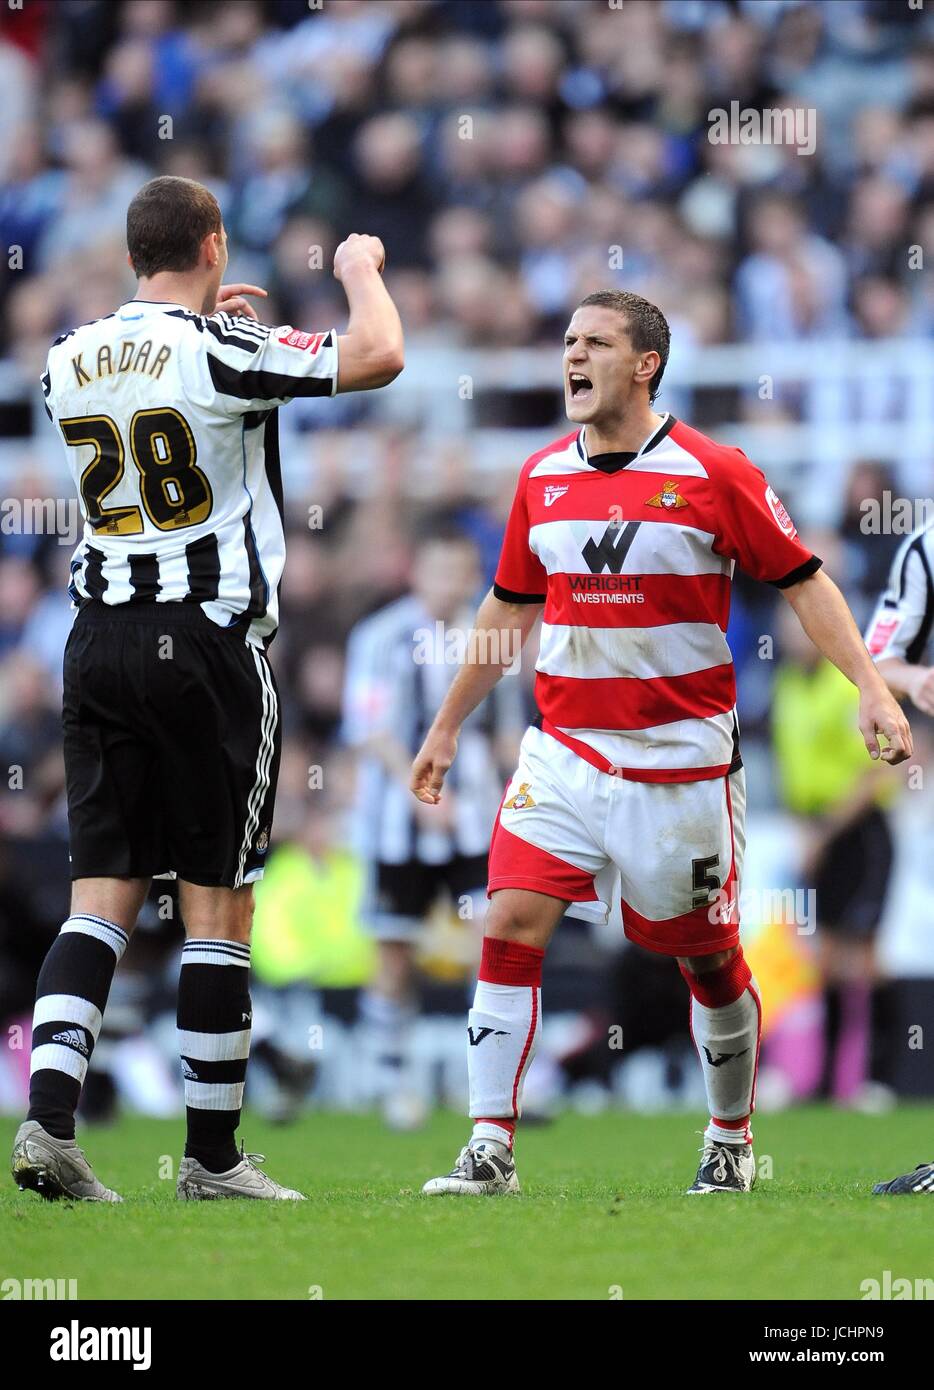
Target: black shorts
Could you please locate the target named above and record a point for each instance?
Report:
(853, 876)
(404, 894)
(172, 746)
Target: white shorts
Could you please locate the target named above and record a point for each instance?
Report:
(671, 850)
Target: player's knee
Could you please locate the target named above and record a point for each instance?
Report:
(702, 965)
(509, 918)
(240, 921)
(117, 900)
(218, 914)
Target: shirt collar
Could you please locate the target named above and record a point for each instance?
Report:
(651, 440)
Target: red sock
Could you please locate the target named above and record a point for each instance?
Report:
(717, 988)
(510, 963)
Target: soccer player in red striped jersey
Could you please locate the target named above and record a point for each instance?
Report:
(626, 531)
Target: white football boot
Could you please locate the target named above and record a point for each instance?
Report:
(483, 1169)
(197, 1184)
(54, 1167)
(724, 1168)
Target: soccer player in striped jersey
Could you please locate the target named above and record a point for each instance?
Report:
(167, 408)
(627, 531)
(400, 663)
(898, 639)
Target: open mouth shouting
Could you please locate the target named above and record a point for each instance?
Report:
(581, 387)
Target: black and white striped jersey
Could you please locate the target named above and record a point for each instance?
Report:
(399, 669)
(170, 427)
(901, 624)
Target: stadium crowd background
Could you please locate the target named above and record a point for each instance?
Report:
(587, 131)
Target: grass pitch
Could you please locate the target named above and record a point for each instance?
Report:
(602, 1215)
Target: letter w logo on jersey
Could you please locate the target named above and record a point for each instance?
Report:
(305, 342)
(611, 551)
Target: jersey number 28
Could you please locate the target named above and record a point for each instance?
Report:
(173, 490)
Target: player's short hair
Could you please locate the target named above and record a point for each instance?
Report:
(166, 223)
(647, 326)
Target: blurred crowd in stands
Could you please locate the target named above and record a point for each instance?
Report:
(501, 149)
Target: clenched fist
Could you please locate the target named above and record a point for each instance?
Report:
(356, 249)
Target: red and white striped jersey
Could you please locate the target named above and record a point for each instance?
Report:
(633, 555)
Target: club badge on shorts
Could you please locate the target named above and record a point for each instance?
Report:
(520, 799)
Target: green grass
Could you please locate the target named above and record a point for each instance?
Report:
(602, 1208)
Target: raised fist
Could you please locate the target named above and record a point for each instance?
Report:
(358, 248)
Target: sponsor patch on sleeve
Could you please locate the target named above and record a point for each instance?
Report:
(305, 342)
(883, 630)
(777, 508)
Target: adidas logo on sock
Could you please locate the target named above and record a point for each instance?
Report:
(188, 1072)
(72, 1038)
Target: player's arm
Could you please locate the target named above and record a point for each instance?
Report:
(915, 682)
(498, 635)
(756, 531)
(504, 621)
(823, 613)
(253, 367)
(371, 352)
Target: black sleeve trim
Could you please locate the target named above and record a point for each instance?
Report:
(264, 386)
(508, 596)
(802, 572)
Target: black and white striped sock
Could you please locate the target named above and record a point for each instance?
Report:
(214, 1020)
(71, 995)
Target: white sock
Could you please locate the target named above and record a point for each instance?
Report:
(503, 1029)
(727, 1042)
(489, 1132)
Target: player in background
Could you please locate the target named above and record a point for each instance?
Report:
(627, 531)
(840, 801)
(167, 408)
(898, 639)
(400, 664)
